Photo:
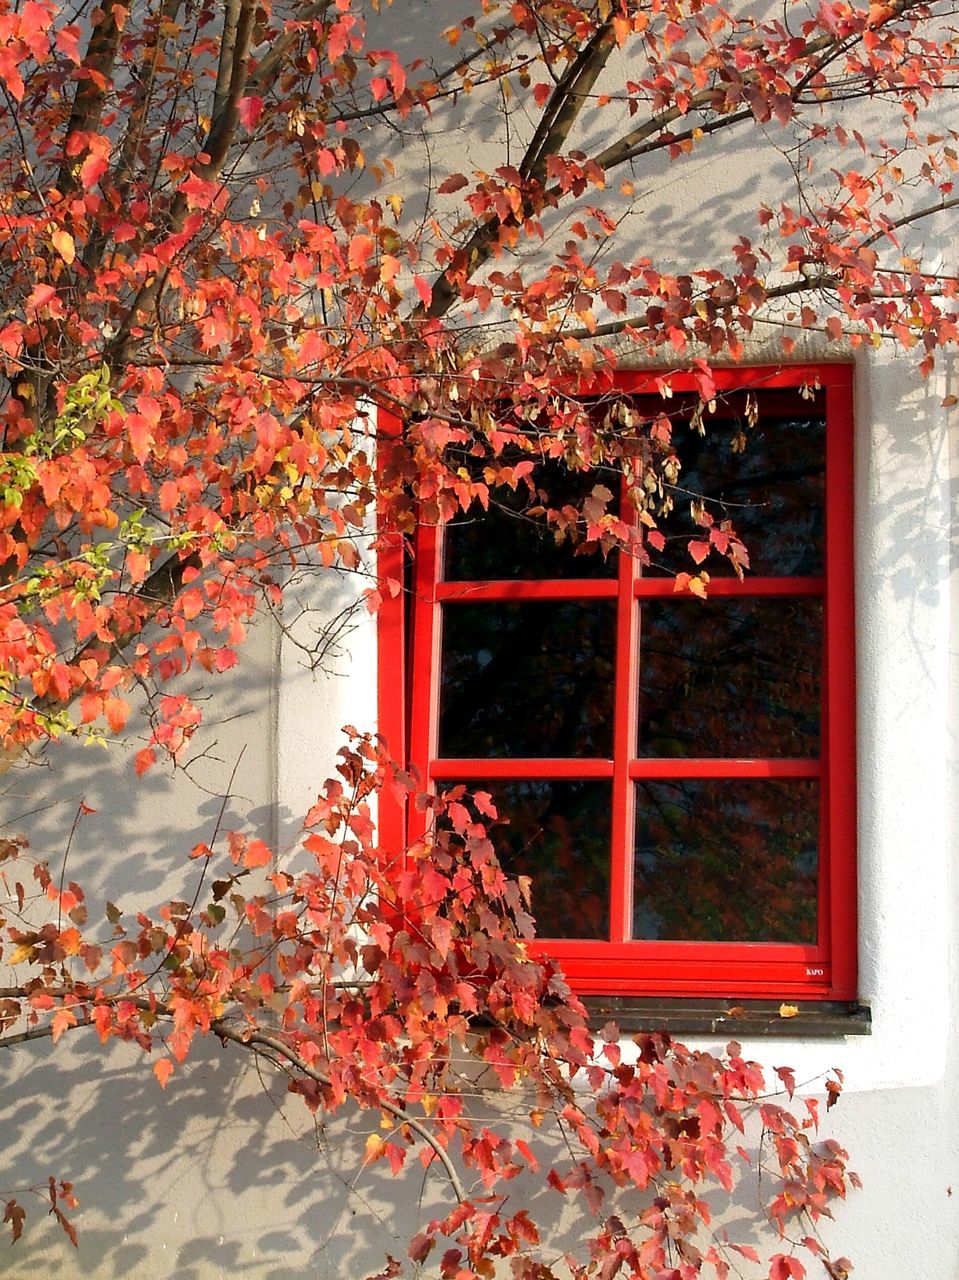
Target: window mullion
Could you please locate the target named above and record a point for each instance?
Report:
(426, 648)
(624, 739)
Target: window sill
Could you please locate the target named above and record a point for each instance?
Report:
(733, 1018)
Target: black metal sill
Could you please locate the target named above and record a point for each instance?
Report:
(732, 1018)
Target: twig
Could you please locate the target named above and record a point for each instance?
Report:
(249, 1040)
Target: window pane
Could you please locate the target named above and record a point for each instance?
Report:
(772, 492)
(558, 833)
(513, 540)
(527, 679)
(729, 860)
(735, 678)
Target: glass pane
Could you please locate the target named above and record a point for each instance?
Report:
(730, 677)
(772, 491)
(727, 860)
(527, 679)
(512, 538)
(559, 834)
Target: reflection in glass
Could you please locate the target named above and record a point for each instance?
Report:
(727, 860)
(527, 679)
(558, 833)
(512, 538)
(772, 491)
(728, 677)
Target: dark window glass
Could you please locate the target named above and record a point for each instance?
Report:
(772, 491)
(513, 540)
(558, 833)
(527, 679)
(726, 677)
(728, 860)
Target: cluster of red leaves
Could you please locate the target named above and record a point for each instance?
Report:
(199, 309)
(371, 977)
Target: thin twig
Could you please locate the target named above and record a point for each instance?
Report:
(249, 1040)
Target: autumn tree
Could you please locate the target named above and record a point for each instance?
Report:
(224, 260)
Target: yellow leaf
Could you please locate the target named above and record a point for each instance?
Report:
(374, 1148)
(788, 1010)
(63, 243)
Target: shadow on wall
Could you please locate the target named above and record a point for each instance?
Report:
(698, 204)
(221, 1175)
(216, 1176)
(910, 540)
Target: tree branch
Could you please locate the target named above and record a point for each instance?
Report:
(123, 170)
(92, 88)
(561, 112)
(249, 1040)
(230, 88)
(268, 67)
(630, 145)
(939, 207)
(565, 103)
(260, 1039)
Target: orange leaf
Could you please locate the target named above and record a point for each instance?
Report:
(62, 1019)
(360, 251)
(257, 854)
(63, 243)
(163, 1069)
(117, 711)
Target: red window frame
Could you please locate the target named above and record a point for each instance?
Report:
(621, 966)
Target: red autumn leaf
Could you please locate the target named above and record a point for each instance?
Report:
(68, 42)
(788, 1077)
(62, 1020)
(786, 1268)
(455, 182)
(92, 170)
(250, 109)
(699, 550)
(257, 854)
(746, 1251)
(64, 244)
(10, 73)
(14, 1214)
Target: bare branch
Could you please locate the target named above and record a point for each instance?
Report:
(939, 207)
(253, 1040)
(92, 88)
(561, 112)
(267, 69)
(250, 1040)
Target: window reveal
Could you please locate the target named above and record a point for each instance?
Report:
(678, 774)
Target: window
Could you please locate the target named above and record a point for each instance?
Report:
(679, 774)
